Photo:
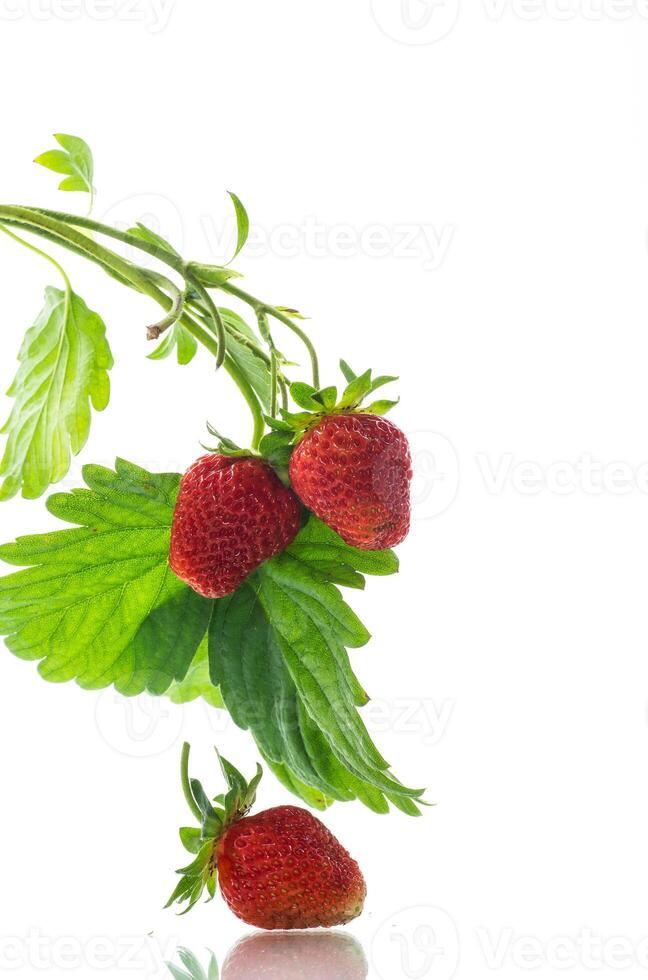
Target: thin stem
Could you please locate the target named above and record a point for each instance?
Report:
(258, 306)
(273, 383)
(131, 275)
(175, 262)
(284, 394)
(186, 783)
(44, 255)
(214, 314)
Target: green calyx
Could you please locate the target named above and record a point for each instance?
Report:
(278, 445)
(214, 820)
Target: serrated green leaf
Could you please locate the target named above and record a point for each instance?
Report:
(278, 653)
(242, 224)
(75, 160)
(99, 603)
(348, 373)
(312, 797)
(64, 364)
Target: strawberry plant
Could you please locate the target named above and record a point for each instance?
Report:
(279, 869)
(225, 583)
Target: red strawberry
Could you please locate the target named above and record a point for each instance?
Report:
(295, 955)
(283, 869)
(353, 471)
(232, 514)
(280, 869)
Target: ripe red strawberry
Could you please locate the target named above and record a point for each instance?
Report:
(353, 471)
(292, 956)
(232, 514)
(280, 869)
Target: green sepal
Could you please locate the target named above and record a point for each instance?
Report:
(380, 407)
(202, 873)
(212, 275)
(191, 839)
(317, 404)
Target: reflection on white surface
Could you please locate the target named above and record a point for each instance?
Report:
(296, 956)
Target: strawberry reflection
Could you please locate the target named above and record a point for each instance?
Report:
(280, 956)
(296, 955)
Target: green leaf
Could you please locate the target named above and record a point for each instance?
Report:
(197, 682)
(180, 340)
(191, 838)
(74, 160)
(147, 234)
(241, 341)
(302, 394)
(380, 407)
(64, 364)
(242, 224)
(99, 603)
(278, 652)
(213, 275)
(356, 391)
(328, 397)
(312, 797)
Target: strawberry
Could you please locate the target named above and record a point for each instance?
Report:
(292, 956)
(353, 471)
(232, 513)
(279, 869)
(347, 464)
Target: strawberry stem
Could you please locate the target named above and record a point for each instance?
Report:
(54, 227)
(186, 783)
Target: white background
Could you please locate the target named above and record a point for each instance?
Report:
(508, 142)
